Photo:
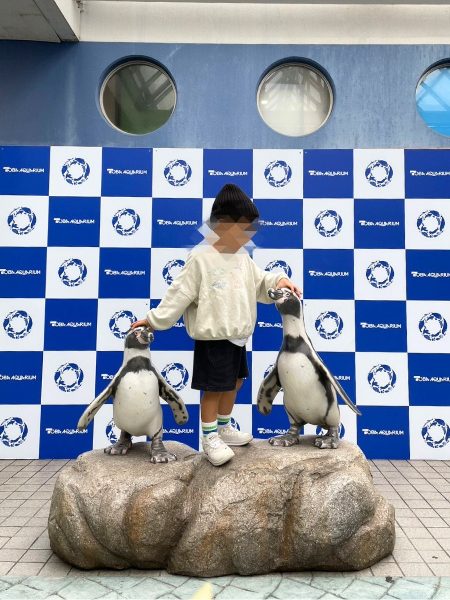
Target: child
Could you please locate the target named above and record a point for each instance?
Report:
(216, 292)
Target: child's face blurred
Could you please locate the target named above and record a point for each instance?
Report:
(233, 235)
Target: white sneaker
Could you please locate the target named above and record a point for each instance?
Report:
(217, 452)
(232, 436)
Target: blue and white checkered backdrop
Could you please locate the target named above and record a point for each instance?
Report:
(89, 235)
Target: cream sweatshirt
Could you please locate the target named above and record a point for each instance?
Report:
(217, 294)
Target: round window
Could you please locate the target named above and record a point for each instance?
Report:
(295, 99)
(138, 97)
(433, 98)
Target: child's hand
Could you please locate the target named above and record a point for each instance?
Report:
(286, 283)
(142, 323)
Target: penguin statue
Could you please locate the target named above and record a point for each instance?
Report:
(136, 388)
(309, 387)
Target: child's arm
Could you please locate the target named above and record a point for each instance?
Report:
(181, 293)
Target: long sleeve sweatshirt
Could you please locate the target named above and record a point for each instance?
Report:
(217, 294)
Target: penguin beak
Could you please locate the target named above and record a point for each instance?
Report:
(275, 294)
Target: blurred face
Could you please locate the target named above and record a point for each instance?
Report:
(233, 235)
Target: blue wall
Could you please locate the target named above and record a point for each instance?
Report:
(48, 95)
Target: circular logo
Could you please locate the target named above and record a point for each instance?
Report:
(430, 223)
(13, 431)
(111, 432)
(171, 270)
(126, 221)
(433, 326)
(279, 265)
(75, 171)
(176, 375)
(278, 173)
(120, 323)
(17, 324)
(72, 272)
(436, 433)
(379, 173)
(328, 223)
(380, 274)
(329, 325)
(235, 424)
(321, 431)
(21, 220)
(178, 172)
(382, 378)
(69, 377)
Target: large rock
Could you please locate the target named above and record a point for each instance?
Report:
(269, 509)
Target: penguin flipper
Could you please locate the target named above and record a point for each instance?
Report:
(340, 390)
(94, 407)
(268, 389)
(173, 399)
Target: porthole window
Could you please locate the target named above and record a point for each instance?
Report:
(433, 98)
(138, 97)
(295, 99)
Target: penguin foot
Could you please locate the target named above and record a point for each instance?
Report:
(162, 456)
(288, 439)
(120, 447)
(326, 442)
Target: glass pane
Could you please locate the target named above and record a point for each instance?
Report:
(138, 98)
(294, 100)
(433, 99)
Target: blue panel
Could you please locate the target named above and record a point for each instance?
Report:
(70, 325)
(428, 274)
(328, 174)
(379, 224)
(59, 435)
(74, 222)
(342, 365)
(127, 172)
(175, 219)
(328, 274)
(22, 272)
(268, 333)
(227, 166)
(20, 380)
(124, 273)
(427, 173)
(383, 432)
(24, 170)
(380, 326)
(108, 363)
(280, 224)
(429, 379)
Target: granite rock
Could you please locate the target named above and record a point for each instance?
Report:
(268, 509)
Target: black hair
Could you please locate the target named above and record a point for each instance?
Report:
(233, 204)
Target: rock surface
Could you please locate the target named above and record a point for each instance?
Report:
(268, 509)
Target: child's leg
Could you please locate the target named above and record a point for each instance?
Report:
(209, 406)
(230, 434)
(226, 404)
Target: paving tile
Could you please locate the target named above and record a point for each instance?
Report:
(426, 544)
(264, 584)
(54, 570)
(411, 590)
(151, 587)
(26, 568)
(441, 569)
(83, 589)
(417, 533)
(361, 588)
(11, 554)
(386, 570)
(289, 588)
(407, 556)
(19, 542)
(35, 555)
(5, 567)
(435, 556)
(46, 584)
(415, 569)
(233, 593)
(442, 594)
(441, 533)
(20, 591)
(42, 543)
(116, 583)
(433, 522)
(403, 543)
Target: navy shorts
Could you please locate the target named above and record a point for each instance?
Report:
(218, 364)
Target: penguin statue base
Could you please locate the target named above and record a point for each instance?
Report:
(269, 509)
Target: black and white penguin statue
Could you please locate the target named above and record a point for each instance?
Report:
(136, 389)
(309, 387)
